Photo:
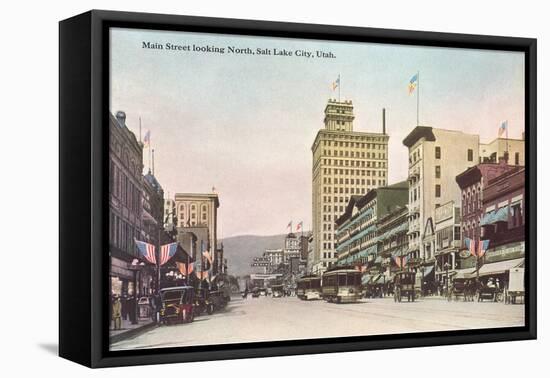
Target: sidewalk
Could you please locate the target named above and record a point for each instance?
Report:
(129, 330)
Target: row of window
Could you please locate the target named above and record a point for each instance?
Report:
(122, 233)
(354, 172)
(354, 163)
(415, 156)
(374, 146)
(122, 188)
(342, 190)
(341, 181)
(353, 154)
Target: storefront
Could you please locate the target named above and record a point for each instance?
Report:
(499, 261)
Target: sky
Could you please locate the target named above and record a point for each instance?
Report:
(245, 123)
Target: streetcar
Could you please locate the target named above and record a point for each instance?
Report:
(308, 287)
(342, 285)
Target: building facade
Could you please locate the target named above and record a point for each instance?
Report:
(503, 224)
(392, 240)
(170, 217)
(448, 243)
(345, 163)
(436, 156)
(512, 150)
(472, 183)
(357, 231)
(198, 211)
(125, 203)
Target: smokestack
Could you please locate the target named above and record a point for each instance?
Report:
(384, 121)
(121, 118)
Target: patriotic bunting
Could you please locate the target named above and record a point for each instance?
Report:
(147, 251)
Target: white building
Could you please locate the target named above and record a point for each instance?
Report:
(436, 157)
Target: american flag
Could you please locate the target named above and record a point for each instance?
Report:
(482, 247)
(184, 268)
(470, 246)
(206, 254)
(167, 251)
(147, 251)
(299, 226)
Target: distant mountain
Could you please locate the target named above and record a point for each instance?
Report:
(240, 250)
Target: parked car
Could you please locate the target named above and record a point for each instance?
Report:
(177, 304)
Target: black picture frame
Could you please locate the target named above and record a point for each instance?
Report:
(83, 139)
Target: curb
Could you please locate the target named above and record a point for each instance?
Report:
(131, 333)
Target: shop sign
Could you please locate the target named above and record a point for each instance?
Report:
(506, 252)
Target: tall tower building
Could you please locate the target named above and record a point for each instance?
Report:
(345, 163)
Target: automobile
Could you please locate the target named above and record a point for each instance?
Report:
(203, 303)
(278, 291)
(218, 299)
(177, 305)
(255, 292)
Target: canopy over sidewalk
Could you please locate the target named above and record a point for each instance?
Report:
(498, 267)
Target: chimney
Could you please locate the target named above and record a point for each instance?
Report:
(384, 121)
(121, 118)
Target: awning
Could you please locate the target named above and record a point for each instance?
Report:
(429, 269)
(487, 218)
(378, 259)
(464, 273)
(499, 267)
(365, 278)
(501, 215)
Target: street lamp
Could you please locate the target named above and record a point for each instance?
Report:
(446, 266)
(422, 268)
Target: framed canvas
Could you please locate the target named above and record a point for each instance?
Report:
(235, 188)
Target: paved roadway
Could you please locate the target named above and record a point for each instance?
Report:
(268, 319)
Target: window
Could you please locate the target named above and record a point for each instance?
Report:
(470, 154)
(516, 158)
(438, 191)
(438, 152)
(437, 171)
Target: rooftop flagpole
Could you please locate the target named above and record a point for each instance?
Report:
(418, 99)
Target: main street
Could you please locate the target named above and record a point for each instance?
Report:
(270, 319)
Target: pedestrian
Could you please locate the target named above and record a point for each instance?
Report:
(124, 307)
(117, 313)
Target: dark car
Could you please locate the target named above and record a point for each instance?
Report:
(177, 304)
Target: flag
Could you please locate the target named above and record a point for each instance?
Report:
(482, 247)
(147, 251)
(299, 226)
(206, 254)
(167, 251)
(184, 268)
(336, 84)
(147, 139)
(503, 128)
(470, 246)
(400, 261)
(202, 275)
(289, 225)
(413, 83)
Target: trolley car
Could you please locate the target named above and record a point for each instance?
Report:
(309, 287)
(342, 285)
